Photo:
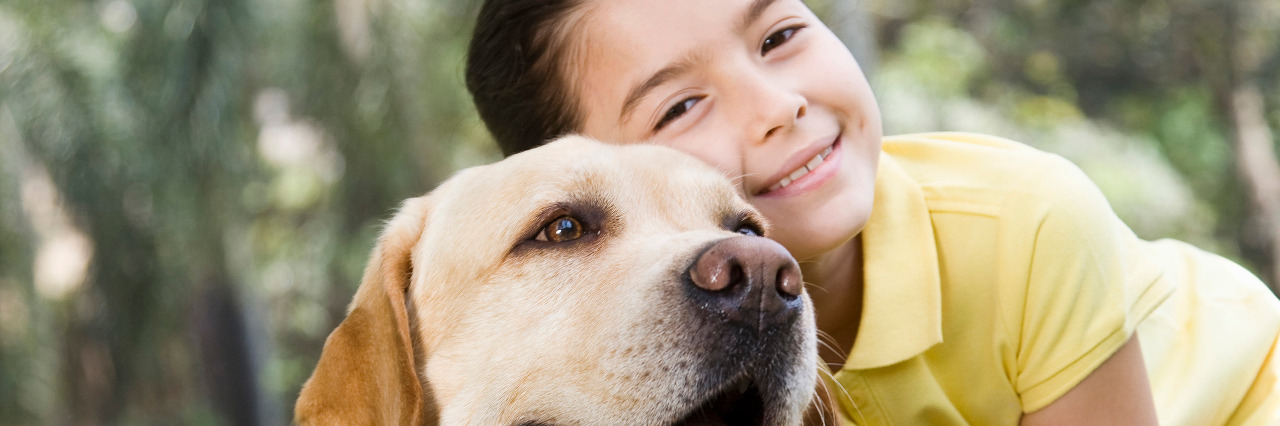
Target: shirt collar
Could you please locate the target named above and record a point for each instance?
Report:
(901, 309)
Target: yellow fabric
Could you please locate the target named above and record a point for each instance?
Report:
(997, 278)
(1209, 348)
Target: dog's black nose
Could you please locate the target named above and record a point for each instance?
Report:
(749, 280)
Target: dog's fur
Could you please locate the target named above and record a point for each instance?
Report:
(466, 317)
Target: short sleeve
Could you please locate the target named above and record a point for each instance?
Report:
(1075, 279)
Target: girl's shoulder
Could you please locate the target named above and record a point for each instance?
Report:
(969, 139)
(1035, 199)
(976, 167)
(943, 155)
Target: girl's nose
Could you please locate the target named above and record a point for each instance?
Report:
(776, 106)
(785, 123)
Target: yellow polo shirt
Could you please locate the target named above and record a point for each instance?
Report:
(998, 277)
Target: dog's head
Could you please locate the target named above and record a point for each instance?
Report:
(573, 284)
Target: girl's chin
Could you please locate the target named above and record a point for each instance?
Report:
(812, 232)
(810, 243)
(817, 222)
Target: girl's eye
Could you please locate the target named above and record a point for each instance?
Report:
(676, 111)
(779, 38)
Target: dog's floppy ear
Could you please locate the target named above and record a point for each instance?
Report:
(366, 373)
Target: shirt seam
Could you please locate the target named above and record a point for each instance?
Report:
(1046, 392)
(1049, 390)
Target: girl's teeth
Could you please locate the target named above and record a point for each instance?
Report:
(803, 170)
(813, 164)
(799, 172)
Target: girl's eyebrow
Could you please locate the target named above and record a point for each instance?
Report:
(682, 65)
(753, 13)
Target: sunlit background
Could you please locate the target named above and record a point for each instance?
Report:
(189, 189)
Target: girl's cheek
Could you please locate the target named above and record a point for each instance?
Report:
(722, 147)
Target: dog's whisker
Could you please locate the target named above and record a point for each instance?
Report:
(829, 346)
(829, 342)
(825, 388)
(739, 178)
(815, 286)
(845, 393)
(820, 403)
(823, 334)
(822, 394)
(832, 349)
(828, 405)
(740, 181)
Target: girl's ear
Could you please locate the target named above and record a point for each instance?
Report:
(366, 373)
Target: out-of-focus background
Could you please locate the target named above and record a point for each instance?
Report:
(189, 188)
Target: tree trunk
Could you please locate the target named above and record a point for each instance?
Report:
(1258, 167)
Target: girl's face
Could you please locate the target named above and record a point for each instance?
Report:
(760, 89)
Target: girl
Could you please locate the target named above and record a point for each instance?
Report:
(958, 278)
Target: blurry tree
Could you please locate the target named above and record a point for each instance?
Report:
(220, 169)
(1200, 76)
(138, 131)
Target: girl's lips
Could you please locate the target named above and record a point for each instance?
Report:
(808, 166)
(814, 178)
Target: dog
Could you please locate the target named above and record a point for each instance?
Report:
(575, 283)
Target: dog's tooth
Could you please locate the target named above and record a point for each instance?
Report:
(813, 164)
(799, 172)
(826, 152)
(785, 181)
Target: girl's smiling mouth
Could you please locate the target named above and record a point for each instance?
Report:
(815, 171)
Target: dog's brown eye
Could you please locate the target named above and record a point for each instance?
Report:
(749, 230)
(563, 228)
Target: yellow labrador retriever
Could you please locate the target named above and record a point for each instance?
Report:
(577, 283)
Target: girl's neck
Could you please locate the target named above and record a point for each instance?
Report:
(836, 289)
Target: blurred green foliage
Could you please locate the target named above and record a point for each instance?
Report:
(190, 188)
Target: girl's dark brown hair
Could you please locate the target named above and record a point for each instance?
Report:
(516, 71)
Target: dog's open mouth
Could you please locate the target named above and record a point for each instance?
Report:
(738, 404)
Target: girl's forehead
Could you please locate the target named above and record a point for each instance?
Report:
(642, 23)
(650, 34)
(622, 44)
